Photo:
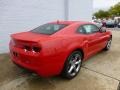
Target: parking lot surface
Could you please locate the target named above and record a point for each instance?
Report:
(100, 72)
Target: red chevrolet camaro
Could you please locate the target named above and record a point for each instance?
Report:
(58, 48)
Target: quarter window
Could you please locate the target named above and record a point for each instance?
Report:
(88, 29)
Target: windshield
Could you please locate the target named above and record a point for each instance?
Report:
(48, 28)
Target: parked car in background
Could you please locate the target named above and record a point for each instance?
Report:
(110, 23)
(97, 22)
(118, 25)
(103, 22)
(58, 47)
(117, 19)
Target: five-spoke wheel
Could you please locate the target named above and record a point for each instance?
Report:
(72, 65)
(108, 45)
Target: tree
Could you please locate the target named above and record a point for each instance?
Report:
(115, 10)
(102, 14)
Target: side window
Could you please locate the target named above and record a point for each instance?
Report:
(81, 30)
(94, 28)
(90, 28)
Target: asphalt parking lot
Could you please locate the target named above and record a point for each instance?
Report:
(101, 72)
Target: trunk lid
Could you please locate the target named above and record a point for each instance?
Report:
(29, 37)
(28, 40)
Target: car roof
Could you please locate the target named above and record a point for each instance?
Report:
(71, 22)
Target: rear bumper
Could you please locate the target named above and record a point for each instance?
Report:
(29, 62)
(44, 66)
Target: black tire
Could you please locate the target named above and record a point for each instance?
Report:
(108, 45)
(72, 65)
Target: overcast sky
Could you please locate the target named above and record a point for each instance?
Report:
(102, 4)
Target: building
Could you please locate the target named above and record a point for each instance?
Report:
(23, 15)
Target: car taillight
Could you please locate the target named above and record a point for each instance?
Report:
(27, 48)
(36, 49)
(33, 49)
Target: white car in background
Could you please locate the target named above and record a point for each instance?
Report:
(97, 22)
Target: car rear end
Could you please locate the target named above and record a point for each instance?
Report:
(36, 51)
(25, 53)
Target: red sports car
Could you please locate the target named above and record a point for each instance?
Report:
(58, 48)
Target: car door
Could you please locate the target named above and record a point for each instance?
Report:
(92, 34)
(102, 37)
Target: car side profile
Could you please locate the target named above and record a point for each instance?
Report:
(58, 48)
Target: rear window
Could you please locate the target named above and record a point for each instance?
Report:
(48, 28)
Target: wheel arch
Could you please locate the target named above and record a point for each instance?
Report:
(63, 69)
(81, 50)
(75, 49)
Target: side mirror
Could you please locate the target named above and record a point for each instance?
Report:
(102, 29)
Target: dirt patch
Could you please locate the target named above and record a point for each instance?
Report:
(8, 70)
(86, 80)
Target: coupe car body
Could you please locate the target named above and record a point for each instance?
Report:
(46, 49)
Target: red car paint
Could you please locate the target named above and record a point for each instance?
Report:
(55, 48)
